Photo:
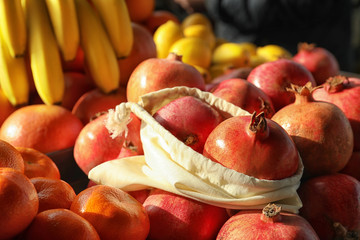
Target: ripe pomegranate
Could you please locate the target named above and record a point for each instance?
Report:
(94, 145)
(320, 130)
(345, 93)
(190, 120)
(274, 77)
(319, 61)
(270, 223)
(331, 204)
(253, 145)
(154, 74)
(245, 95)
(352, 168)
(175, 217)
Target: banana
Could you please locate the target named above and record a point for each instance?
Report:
(64, 21)
(99, 55)
(13, 26)
(13, 76)
(116, 19)
(45, 58)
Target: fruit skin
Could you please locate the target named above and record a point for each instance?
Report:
(66, 28)
(165, 36)
(320, 130)
(329, 199)
(94, 145)
(10, 157)
(189, 119)
(352, 168)
(176, 217)
(275, 76)
(154, 74)
(114, 213)
(244, 95)
(46, 128)
(44, 53)
(319, 61)
(345, 93)
(100, 58)
(272, 52)
(116, 19)
(254, 224)
(13, 76)
(6, 107)
(159, 17)
(140, 14)
(248, 144)
(18, 200)
(57, 224)
(13, 26)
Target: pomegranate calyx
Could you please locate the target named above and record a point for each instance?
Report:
(271, 213)
(341, 233)
(174, 57)
(191, 139)
(130, 145)
(303, 46)
(266, 108)
(258, 122)
(336, 84)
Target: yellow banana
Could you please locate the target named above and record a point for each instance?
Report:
(99, 55)
(13, 26)
(13, 76)
(45, 59)
(115, 17)
(64, 21)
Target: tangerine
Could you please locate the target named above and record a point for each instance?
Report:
(18, 202)
(10, 157)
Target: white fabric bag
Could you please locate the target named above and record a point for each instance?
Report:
(170, 165)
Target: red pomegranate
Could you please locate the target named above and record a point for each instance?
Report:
(320, 130)
(352, 168)
(268, 224)
(177, 218)
(253, 145)
(319, 61)
(345, 93)
(274, 77)
(331, 204)
(245, 95)
(154, 74)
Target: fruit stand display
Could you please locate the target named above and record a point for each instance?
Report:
(125, 122)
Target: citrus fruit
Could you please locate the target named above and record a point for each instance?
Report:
(60, 224)
(10, 157)
(159, 17)
(165, 36)
(38, 164)
(201, 31)
(196, 18)
(231, 53)
(140, 10)
(18, 202)
(272, 52)
(114, 213)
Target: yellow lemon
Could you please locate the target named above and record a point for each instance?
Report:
(231, 53)
(201, 31)
(204, 72)
(194, 51)
(165, 35)
(272, 52)
(256, 60)
(196, 18)
(219, 69)
(248, 46)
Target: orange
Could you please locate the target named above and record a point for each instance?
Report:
(18, 202)
(5, 106)
(10, 157)
(140, 10)
(159, 17)
(60, 224)
(114, 213)
(53, 193)
(38, 164)
(46, 128)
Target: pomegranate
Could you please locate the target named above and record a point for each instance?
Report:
(320, 130)
(154, 74)
(232, 72)
(319, 61)
(274, 77)
(345, 93)
(331, 204)
(253, 145)
(352, 168)
(245, 95)
(177, 218)
(94, 145)
(270, 223)
(189, 119)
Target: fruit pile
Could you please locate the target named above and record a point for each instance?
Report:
(81, 75)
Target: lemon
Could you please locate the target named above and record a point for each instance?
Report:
(165, 35)
(231, 53)
(194, 51)
(204, 72)
(250, 47)
(219, 69)
(272, 52)
(201, 31)
(196, 18)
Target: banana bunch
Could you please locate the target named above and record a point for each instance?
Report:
(51, 32)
